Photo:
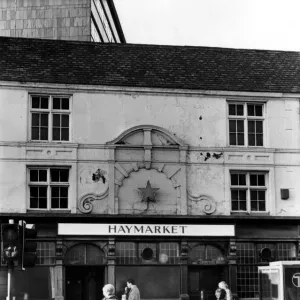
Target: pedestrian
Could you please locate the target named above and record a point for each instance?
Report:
(224, 286)
(134, 293)
(109, 292)
(126, 293)
(220, 294)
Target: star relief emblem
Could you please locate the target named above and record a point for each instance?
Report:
(148, 193)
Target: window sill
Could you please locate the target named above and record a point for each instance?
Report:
(52, 211)
(245, 213)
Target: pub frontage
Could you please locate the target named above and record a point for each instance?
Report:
(167, 260)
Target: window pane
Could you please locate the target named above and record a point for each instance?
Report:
(43, 203)
(64, 203)
(34, 192)
(42, 175)
(64, 192)
(232, 125)
(55, 192)
(251, 139)
(240, 110)
(54, 202)
(259, 127)
(33, 202)
(261, 179)
(35, 102)
(253, 179)
(232, 139)
(240, 139)
(240, 126)
(65, 134)
(234, 194)
(65, 103)
(54, 173)
(242, 194)
(250, 109)
(64, 175)
(34, 133)
(44, 120)
(56, 134)
(254, 206)
(234, 205)
(234, 179)
(33, 175)
(56, 103)
(35, 119)
(232, 109)
(261, 195)
(44, 133)
(251, 127)
(253, 195)
(56, 120)
(259, 140)
(44, 102)
(262, 206)
(243, 205)
(43, 191)
(258, 110)
(65, 121)
(242, 179)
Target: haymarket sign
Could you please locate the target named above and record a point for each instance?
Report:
(145, 229)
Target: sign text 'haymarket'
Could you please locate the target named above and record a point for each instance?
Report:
(146, 229)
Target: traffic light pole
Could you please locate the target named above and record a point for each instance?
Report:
(9, 273)
(10, 265)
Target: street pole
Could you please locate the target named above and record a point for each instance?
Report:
(9, 272)
(10, 265)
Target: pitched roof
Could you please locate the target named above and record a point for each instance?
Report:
(135, 65)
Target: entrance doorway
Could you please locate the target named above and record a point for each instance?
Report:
(84, 282)
(205, 279)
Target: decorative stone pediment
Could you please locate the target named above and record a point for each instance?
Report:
(147, 135)
(147, 153)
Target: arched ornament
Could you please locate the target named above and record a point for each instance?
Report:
(170, 139)
(209, 204)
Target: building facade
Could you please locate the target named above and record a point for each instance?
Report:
(81, 20)
(174, 166)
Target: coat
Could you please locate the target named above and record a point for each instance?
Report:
(134, 293)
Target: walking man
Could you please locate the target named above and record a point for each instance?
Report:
(134, 293)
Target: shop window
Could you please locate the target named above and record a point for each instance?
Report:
(48, 188)
(246, 122)
(50, 118)
(45, 253)
(147, 253)
(206, 254)
(85, 254)
(169, 253)
(248, 191)
(249, 258)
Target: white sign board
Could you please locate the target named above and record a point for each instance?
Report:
(145, 229)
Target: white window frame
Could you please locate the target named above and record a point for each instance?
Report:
(246, 118)
(49, 184)
(50, 111)
(248, 188)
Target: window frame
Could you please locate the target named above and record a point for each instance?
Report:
(245, 118)
(48, 184)
(248, 189)
(50, 111)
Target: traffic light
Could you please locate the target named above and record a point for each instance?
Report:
(29, 246)
(11, 247)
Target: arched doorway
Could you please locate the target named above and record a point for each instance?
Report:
(207, 267)
(84, 265)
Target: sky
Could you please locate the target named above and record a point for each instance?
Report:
(248, 24)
